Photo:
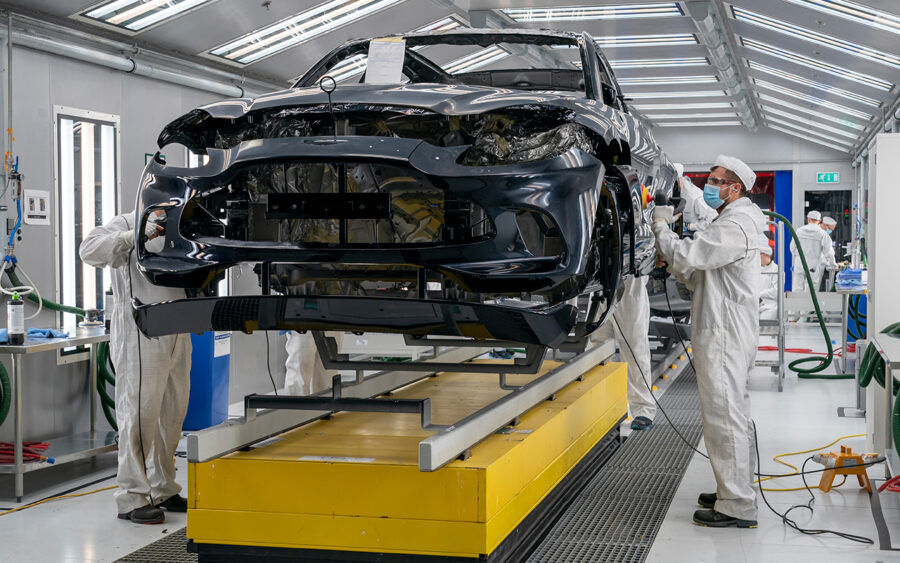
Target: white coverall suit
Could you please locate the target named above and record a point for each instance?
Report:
(768, 292)
(160, 379)
(632, 316)
(813, 241)
(721, 265)
(304, 373)
(827, 260)
(697, 215)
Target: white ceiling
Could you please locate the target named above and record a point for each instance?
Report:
(219, 21)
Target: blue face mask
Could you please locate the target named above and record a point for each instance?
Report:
(711, 196)
(829, 231)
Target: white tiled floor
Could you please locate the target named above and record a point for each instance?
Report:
(802, 417)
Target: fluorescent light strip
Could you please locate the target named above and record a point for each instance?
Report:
(667, 95)
(810, 139)
(854, 12)
(810, 112)
(659, 63)
(348, 68)
(799, 59)
(587, 13)
(654, 116)
(476, 60)
(704, 105)
(645, 40)
(298, 29)
(697, 123)
(812, 99)
(807, 131)
(810, 122)
(136, 15)
(443, 24)
(665, 80)
(813, 84)
(791, 30)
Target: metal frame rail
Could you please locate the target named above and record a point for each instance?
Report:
(777, 366)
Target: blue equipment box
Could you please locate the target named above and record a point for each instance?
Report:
(210, 364)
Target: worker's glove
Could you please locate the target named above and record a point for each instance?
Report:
(663, 214)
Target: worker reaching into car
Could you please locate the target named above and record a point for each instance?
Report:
(721, 265)
(152, 375)
(697, 215)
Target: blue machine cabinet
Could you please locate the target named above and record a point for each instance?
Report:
(210, 363)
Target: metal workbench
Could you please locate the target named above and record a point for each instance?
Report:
(66, 448)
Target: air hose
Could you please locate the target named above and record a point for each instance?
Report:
(105, 371)
(822, 363)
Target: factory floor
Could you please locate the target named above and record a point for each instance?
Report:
(802, 417)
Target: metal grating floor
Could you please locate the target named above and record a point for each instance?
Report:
(170, 549)
(617, 515)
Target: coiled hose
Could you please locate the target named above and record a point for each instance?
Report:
(873, 367)
(106, 373)
(821, 363)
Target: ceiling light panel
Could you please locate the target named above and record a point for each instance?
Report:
(697, 123)
(813, 84)
(714, 115)
(664, 80)
(811, 112)
(298, 29)
(658, 63)
(662, 40)
(808, 131)
(136, 15)
(791, 30)
(707, 105)
(348, 68)
(810, 139)
(775, 111)
(814, 64)
(443, 24)
(669, 95)
(854, 12)
(476, 60)
(812, 99)
(587, 13)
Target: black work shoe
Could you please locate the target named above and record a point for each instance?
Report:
(713, 519)
(148, 514)
(175, 503)
(707, 500)
(641, 423)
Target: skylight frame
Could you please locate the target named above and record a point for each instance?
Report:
(701, 105)
(667, 80)
(97, 13)
(654, 40)
(593, 13)
(812, 36)
(729, 123)
(834, 70)
(812, 99)
(813, 84)
(658, 63)
(775, 100)
(807, 131)
(278, 37)
(800, 119)
(851, 11)
(806, 138)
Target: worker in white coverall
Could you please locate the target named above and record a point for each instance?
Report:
(768, 282)
(721, 265)
(304, 373)
(697, 215)
(632, 327)
(828, 260)
(813, 241)
(152, 376)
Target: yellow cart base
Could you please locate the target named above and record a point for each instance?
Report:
(348, 488)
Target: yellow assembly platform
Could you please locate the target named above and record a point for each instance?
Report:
(349, 487)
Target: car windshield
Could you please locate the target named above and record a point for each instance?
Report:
(523, 61)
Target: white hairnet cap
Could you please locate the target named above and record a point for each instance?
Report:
(736, 165)
(764, 246)
(679, 168)
(814, 215)
(829, 221)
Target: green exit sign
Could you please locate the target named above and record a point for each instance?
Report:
(828, 178)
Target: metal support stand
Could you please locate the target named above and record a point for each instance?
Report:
(777, 367)
(858, 411)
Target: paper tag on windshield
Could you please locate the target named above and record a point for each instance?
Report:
(385, 61)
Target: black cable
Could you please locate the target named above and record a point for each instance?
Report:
(269, 364)
(66, 492)
(677, 331)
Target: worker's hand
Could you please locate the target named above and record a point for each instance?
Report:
(664, 214)
(660, 260)
(152, 230)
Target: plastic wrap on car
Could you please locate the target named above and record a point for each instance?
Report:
(519, 143)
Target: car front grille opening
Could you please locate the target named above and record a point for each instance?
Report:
(540, 234)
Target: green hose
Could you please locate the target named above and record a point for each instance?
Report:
(872, 365)
(105, 371)
(823, 363)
